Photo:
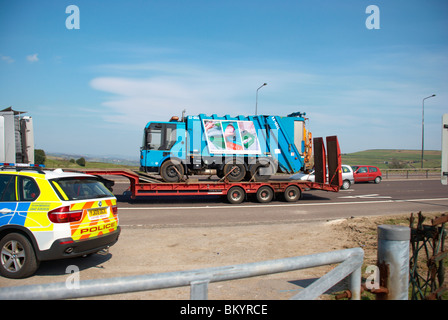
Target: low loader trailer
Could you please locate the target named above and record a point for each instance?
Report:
(327, 165)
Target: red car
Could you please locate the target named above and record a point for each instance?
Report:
(366, 173)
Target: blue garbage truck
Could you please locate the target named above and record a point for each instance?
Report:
(240, 148)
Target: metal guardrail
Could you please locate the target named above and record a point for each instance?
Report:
(350, 262)
(411, 173)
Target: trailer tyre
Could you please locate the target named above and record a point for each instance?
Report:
(265, 194)
(235, 195)
(171, 171)
(292, 194)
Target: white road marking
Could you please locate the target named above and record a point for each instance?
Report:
(298, 204)
(366, 196)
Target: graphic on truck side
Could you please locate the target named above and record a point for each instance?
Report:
(228, 136)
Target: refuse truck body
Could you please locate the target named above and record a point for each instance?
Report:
(249, 148)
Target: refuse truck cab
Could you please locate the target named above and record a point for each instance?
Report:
(235, 148)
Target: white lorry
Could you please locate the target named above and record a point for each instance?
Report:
(16, 137)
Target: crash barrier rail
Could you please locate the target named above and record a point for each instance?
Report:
(350, 262)
(411, 173)
(389, 281)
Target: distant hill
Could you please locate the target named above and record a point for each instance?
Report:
(61, 160)
(394, 158)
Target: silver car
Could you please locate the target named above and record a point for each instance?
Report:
(347, 176)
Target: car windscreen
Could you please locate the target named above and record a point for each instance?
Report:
(80, 188)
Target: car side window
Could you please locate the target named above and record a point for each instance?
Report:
(7, 188)
(371, 169)
(28, 189)
(362, 170)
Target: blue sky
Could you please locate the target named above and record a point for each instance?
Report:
(91, 90)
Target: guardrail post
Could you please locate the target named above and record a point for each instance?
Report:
(355, 284)
(393, 254)
(199, 290)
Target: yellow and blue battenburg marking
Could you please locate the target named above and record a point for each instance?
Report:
(60, 222)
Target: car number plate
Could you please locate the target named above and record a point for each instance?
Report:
(97, 213)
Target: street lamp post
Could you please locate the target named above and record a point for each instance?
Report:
(423, 124)
(256, 98)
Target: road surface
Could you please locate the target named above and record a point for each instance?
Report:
(174, 234)
(364, 199)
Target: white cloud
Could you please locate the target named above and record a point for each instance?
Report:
(134, 100)
(354, 106)
(159, 90)
(32, 58)
(7, 59)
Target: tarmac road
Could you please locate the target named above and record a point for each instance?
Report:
(363, 199)
(173, 234)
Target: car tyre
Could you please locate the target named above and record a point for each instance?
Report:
(377, 180)
(346, 185)
(17, 257)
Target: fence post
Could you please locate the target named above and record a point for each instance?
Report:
(355, 284)
(199, 290)
(393, 258)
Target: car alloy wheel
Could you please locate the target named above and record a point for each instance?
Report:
(17, 257)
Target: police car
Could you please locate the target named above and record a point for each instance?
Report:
(51, 214)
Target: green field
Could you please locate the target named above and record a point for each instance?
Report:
(58, 162)
(388, 158)
(382, 158)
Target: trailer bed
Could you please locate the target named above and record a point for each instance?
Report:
(236, 192)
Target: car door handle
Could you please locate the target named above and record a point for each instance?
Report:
(5, 211)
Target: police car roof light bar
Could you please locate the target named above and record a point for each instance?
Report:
(22, 166)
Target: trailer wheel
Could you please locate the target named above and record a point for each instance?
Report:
(171, 172)
(235, 195)
(234, 172)
(292, 194)
(265, 194)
